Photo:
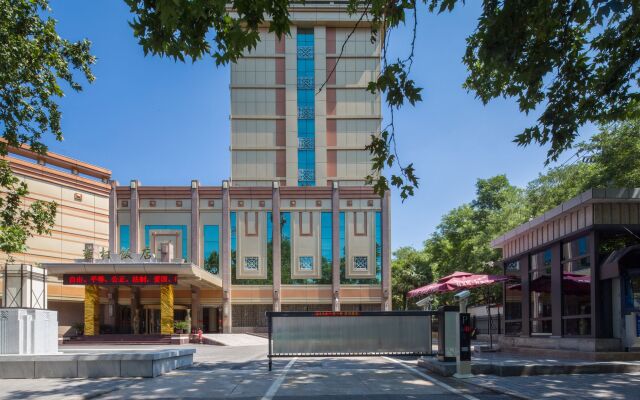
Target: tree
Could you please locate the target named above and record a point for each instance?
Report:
(577, 60)
(613, 155)
(18, 220)
(34, 60)
(410, 269)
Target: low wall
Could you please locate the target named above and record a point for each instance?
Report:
(551, 343)
(98, 365)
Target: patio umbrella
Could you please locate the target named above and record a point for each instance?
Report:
(461, 281)
(457, 281)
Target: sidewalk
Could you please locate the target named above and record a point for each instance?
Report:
(592, 386)
(235, 339)
(513, 364)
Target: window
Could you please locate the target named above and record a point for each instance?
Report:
(576, 287)
(251, 263)
(306, 107)
(540, 293)
(211, 248)
(360, 263)
(124, 237)
(513, 299)
(306, 263)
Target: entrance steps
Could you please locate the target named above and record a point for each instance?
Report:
(120, 339)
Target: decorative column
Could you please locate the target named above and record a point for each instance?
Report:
(134, 206)
(166, 309)
(335, 247)
(195, 223)
(276, 239)
(113, 218)
(225, 256)
(386, 252)
(91, 310)
(196, 309)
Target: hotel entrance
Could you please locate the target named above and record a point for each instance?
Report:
(164, 298)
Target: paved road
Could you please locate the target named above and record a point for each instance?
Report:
(242, 373)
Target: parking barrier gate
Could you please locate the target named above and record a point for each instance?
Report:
(349, 333)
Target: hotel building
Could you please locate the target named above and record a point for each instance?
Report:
(294, 228)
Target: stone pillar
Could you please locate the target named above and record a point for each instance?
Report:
(556, 291)
(135, 310)
(335, 247)
(196, 309)
(91, 310)
(225, 257)
(386, 252)
(134, 206)
(276, 238)
(195, 223)
(113, 218)
(166, 309)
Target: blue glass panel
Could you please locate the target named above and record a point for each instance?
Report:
(124, 237)
(306, 107)
(181, 228)
(379, 245)
(326, 248)
(211, 250)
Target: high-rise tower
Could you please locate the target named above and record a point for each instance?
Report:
(283, 126)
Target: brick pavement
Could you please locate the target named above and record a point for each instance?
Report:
(585, 386)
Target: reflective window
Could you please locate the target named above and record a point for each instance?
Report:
(576, 287)
(306, 108)
(540, 293)
(211, 250)
(513, 299)
(124, 237)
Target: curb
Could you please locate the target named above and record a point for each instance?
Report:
(498, 389)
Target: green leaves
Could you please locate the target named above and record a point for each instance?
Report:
(182, 29)
(573, 61)
(19, 220)
(34, 61)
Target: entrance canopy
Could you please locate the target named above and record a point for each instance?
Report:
(133, 273)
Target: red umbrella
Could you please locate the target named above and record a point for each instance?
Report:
(458, 281)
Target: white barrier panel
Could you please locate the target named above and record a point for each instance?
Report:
(349, 333)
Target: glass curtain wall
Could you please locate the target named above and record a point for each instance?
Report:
(306, 108)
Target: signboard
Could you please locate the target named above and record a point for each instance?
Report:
(120, 279)
(465, 337)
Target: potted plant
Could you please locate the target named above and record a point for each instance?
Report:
(181, 326)
(79, 328)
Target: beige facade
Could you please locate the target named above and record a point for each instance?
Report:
(81, 192)
(266, 109)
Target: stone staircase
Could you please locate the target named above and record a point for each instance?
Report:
(120, 339)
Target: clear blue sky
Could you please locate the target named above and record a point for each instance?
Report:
(166, 123)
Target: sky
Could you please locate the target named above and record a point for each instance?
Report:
(166, 122)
